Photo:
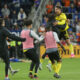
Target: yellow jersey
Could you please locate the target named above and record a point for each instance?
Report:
(62, 22)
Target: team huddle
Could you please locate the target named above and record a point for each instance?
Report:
(51, 37)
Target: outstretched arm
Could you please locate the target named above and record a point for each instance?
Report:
(12, 36)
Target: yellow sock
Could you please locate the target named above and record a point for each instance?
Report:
(58, 67)
(71, 49)
(49, 62)
(54, 68)
(35, 73)
(41, 60)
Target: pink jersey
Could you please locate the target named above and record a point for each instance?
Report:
(29, 40)
(50, 42)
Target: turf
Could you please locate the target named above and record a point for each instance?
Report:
(70, 71)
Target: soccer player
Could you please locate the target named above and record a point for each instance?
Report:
(41, 30)
(52, 50)
(29, 48)
(4, 33)
(62, 24)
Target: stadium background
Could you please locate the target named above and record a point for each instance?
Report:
(34, 9)
(15, 11)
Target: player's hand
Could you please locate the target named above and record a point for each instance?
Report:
(55, 23)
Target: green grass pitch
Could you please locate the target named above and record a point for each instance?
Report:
(70, 71)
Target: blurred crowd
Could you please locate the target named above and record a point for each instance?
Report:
(15, 11)
(72, 9)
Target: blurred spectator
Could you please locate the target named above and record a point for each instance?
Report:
(58, 4)
(66, 3)
(8, 23)
(78, 27)
(75, 15)
(16, 26)
(49, 7)
(79, 15)
(78, 5)
(21, 15)
(0, 13)
(55, 1)
(72, 9)
(14, 18)
(76, 21)
(16, 5)
(71, 34)
(5, 11)
(78, 32)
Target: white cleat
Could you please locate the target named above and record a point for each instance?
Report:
(49, 67)
(40, 67)
(14, 72)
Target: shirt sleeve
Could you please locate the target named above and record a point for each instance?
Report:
(62, 19)
(34, 35)
(56, 37)
(7, 33)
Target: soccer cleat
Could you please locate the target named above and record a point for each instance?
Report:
(49, 67)
(57, 76)
(72, 55)
(14, 71)
(35, 76)
(40, 67)
(31, 75)
(7, 79)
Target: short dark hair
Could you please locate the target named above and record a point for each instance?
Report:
(27, 22)
(59, 7)
(48, 28)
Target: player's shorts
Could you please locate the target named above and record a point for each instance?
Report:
(64, 35)
(32, 55)
(54, 56)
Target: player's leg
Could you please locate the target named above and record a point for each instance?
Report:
(5, 57)
(35, 58)
(31, 69)
(28, 53)
(59, 61)
(49, 66)
(51, 57)
(12, 71)
(70, 47)
(66, 37)
(42, 51)
(37, 62)
(32, 55)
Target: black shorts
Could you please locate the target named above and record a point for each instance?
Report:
(54, 56)
(64, 35)
(32, 55)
